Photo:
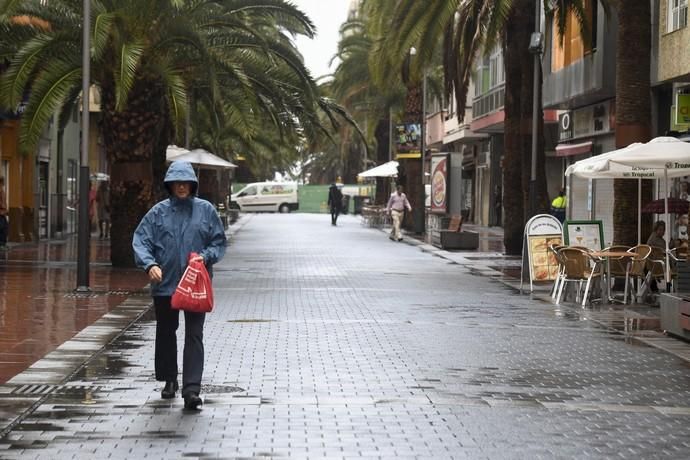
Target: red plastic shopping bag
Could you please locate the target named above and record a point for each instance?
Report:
(194, 292)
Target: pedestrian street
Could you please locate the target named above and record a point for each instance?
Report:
(336, 342)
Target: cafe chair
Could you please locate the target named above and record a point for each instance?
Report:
(553, 249)
(617, 266)
(579, 268)
(636, 270)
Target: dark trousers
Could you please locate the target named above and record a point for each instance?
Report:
(335, 212)
(167, 321)
(4, 225)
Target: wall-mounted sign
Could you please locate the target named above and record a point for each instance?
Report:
(439, 183)
(565, 126)
(682, 109)
(541, 231)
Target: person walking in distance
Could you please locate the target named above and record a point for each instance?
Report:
(396, 206)
(103, 204)
(162, 243)
(3, 214)
(335, 201)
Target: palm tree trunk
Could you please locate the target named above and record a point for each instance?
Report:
(131, 138)
(633, 107)
(382, 135)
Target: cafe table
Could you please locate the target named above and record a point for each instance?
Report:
(606, 256)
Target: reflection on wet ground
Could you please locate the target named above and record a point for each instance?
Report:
(38, 308)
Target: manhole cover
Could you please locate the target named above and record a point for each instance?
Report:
(218, 389)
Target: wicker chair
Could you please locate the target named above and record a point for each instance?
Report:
(553, 249)
(579, 267)
(636, 269)
(617, 266)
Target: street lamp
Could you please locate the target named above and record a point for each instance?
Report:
(84, 233)
(535, 47)
(419, 223)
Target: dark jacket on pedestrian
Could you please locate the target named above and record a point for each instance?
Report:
(335, 197)
(173, 228)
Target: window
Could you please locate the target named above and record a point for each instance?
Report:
(677, 14)
(496, 68)
(573, 47)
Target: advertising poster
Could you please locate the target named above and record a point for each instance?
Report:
(408, 140)
(439, 184)
(543, 264)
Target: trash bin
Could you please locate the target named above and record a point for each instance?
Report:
(345, 204)
(359, 201)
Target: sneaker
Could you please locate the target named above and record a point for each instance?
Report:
(192, 401)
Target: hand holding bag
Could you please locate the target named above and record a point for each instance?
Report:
(194, 292)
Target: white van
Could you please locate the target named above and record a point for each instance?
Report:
(267, 196)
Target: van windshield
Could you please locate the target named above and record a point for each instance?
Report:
(248, 191)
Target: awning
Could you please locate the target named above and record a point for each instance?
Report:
(389, 169)
(566, 150)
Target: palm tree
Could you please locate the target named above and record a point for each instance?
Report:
(633, 105)
(147, 57)
(464, 29)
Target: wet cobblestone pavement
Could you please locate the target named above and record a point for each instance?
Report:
(334, 342)
(38, 308)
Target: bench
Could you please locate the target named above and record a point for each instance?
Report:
(455, 238)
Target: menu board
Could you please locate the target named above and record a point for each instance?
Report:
(543, 264)
(537, 261)
(586, 233)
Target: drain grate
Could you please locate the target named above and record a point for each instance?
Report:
(74, 295)
(41, 389)
(219, 389)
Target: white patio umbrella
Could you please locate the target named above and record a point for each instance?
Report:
(389, 169)
(201, 158)
(661, 157)
(173, 150)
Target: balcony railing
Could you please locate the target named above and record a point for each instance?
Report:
(489, 102)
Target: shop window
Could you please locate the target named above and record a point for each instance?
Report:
(677, 14)
(572, 47)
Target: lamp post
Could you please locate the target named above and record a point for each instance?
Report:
(535, 47)
(84, 233)
(419, 221)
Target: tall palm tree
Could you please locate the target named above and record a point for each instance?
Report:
(465, 29)
(633, 105)
(146, 57)
(352, 87)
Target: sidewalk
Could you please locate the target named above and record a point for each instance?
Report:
(38, 308)
(641, 321)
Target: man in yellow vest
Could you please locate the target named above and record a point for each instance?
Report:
(558, 206)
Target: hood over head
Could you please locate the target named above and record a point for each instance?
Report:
(181, 171)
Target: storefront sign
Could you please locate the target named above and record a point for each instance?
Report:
(541, 231)
(683, 109)
(439, 183)
(565, 126)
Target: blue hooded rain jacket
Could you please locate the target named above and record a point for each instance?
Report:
(173, 228)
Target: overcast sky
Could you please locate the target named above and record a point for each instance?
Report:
(327, 15)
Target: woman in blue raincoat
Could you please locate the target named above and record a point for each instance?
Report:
(166, 235)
